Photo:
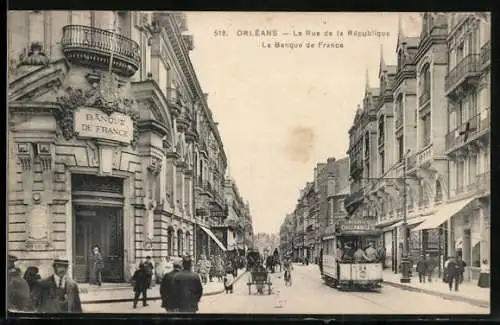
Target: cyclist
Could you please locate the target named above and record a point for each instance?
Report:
(288, 266)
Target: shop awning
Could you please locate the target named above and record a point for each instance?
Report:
(409, 222)
(444, 213)
(212, 235)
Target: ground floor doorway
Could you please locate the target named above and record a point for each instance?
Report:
(101, 226)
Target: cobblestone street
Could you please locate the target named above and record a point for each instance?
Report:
(309, 295)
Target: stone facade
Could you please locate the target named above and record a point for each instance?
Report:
(105, 111)
(414, 148)
(320, 205)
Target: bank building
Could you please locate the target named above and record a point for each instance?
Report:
(111, 142)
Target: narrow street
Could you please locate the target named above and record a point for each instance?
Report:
(309, 295)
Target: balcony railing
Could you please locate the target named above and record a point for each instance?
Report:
(486, 53)
(476, 125)
(483, 182)
(468, 67)
(424, 98)
(424, 155)
(93, 46)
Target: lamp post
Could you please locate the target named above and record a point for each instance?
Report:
(405, 262)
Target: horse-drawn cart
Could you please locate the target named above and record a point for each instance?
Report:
(259, 277)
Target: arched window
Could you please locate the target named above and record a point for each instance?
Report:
(180, 242)
(425, 82)
(187, 243)
(399, 110)
(381, 130)
(170, 241)
(439, 192)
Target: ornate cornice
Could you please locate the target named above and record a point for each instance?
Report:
(182, 54)
(153, 126)
(149, 91)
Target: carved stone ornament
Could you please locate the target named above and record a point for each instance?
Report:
(35, 56)
(25, 155)
(45, 155)
(148, 243)
(103, 96)
(38, 227)
(155, 166)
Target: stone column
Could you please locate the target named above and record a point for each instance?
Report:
(150, 200)
(188, 192)
(39, 221)
(180, 187)
(174, 243)
(171, 179)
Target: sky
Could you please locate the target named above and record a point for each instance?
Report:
(283, 110)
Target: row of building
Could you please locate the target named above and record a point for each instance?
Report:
(112, 143)
(419, 146)
(320, 203)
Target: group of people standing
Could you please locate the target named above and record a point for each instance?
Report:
(180, 287)
(215, 268)
(56, 293)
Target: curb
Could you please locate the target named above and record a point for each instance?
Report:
(118, 300)
(471, 301)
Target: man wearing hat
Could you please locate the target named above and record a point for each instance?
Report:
(167, 290)
(187, 288)
(57, 293)
(18, 291)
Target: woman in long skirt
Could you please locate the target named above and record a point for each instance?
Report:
(484, 275)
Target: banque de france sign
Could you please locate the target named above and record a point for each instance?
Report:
(94, 123)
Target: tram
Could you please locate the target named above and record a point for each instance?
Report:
(339, 267)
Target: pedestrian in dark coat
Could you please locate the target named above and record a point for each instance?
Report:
(167, 290)
(452, 273)
(461, 268)
(18, 291)
(96, 266)
(429, 263)
(421, 269)
(140, 279)
(57, 293)
(188, 288)
(148, 266)
(32, 277)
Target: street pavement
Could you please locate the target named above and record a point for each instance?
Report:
(308, 295)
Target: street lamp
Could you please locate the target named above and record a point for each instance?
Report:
(405, 261)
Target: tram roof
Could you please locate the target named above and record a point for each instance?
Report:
(359, 233)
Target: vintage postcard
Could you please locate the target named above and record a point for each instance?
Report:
(248, 162)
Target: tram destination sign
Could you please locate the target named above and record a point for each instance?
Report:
(358, 225)
(94, 123)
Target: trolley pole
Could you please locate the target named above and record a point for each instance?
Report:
(405, 262)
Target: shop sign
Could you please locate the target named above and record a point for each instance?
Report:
(358, 225)
(94, 123)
